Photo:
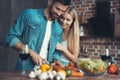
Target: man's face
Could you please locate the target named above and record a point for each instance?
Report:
(57, 9)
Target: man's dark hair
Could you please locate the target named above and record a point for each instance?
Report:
(64, 2)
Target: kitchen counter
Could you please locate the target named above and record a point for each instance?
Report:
(15, 75)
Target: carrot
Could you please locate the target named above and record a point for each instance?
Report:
(76, 74)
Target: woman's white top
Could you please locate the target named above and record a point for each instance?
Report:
(63, 57)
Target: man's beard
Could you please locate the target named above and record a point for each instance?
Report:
(53, 15)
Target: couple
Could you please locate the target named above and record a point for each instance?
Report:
(40, 29)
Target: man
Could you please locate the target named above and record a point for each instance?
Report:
(39, 29)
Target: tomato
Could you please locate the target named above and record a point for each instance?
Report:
(112, 69)
(90, 71)
(101, 69)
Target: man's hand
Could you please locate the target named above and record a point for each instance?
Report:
(38, 60)
(35, 57)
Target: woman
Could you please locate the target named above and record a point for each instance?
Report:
(70, 38)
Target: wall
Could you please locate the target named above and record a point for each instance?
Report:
(4, 23)
(88, 7)
(9, 10)
(97, 45)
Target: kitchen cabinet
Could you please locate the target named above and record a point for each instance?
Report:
(98, 28)
(117, 30)
(117, 23)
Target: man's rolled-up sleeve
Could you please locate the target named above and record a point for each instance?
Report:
(15, 32)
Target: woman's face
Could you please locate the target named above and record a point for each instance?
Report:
(66, 20)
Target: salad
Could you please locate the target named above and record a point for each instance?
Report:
(96, 66)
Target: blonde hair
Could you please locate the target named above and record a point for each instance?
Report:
(73, 38)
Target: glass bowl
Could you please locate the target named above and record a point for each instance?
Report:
(94, 67)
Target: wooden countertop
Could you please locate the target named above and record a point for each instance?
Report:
(15, 75)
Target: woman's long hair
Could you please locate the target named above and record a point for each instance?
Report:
(73, 38)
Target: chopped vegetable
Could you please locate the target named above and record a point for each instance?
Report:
(45, 68)
(93, 66)
(76, 74)
(68, 72)
(113, 69)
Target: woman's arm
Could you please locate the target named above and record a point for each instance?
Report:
(72, 56)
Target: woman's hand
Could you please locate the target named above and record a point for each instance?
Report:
(37, 59)
(60, 47)
(59, 63)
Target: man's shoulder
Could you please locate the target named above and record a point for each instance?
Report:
(57, 28)
(33, 11)
(57, 23)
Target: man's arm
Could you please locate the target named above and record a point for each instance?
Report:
(35, 57)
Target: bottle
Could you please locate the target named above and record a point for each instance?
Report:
(81, 31)
(108, 57)
(107, 52)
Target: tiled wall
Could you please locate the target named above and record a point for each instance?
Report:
(97, 45)
(89, 7)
